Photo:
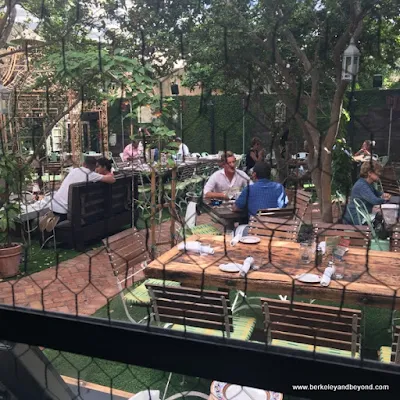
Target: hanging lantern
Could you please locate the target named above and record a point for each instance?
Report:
(280, 112)
(351, 62)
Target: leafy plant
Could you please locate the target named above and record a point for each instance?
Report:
(14, 172)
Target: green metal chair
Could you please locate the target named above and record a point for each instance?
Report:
(365, 218)
(383, 160)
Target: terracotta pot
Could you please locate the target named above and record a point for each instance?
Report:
(10, 258)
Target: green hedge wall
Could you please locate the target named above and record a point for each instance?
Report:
(228, 122)
(228, 117)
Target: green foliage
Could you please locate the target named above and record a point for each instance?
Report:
(14, 173)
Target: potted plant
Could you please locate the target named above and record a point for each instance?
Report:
(14, 173)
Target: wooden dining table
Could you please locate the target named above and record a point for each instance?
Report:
(370, 277)
(225, 215)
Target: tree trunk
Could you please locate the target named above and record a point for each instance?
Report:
(326, 179)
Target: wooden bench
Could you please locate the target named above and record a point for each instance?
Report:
(97, 210)
(391, 354)
(289, 323)
(198, 311)
(359, 235)
(275, 228)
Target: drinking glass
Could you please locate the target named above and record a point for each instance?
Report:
(339, 269)
(305, 253)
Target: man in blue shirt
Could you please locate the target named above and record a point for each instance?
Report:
(264, 193)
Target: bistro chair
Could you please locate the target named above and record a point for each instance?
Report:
(126, 250)
(359, 235)
(274, 228)
(199, 311)
(395, 239)
(312, 327)
(366, 218)
(301, 201)
(391, 354)
(287, 212)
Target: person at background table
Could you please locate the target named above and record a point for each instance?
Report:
(104, 166)
(364, 191)
(366, 149)
(86, 173)
(255, 154)
(183, 150)
(226, 182)
(263, 194)
(133, 151)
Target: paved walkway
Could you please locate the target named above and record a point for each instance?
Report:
(79, 286)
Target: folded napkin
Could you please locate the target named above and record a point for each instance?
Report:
(239, 232)
(196, 247)
(247, 264)
(326, 277)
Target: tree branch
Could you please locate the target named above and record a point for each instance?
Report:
(299, 53)
(20, 50)
(7, 22)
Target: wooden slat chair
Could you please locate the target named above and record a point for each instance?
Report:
(198, 311)
(301, 201)
(312, 327)
(288, 212)
(119, 163)
(359, 235)
(389, 181)
(391, 354)
(390, 186)
(275, 228)
(395, 239)
(127, 250)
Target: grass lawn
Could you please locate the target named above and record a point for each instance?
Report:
(36, 259)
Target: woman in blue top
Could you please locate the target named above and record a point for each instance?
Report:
(364, 191)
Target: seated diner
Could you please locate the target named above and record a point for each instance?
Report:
(133, 151)
(86, 173)
(365, 192)
(227, 182)
(104, 166)
(263, 194)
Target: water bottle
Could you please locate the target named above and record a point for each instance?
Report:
(248, 262)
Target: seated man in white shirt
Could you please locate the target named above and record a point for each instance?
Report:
(59, 203)
(183, 150)
(226, 182)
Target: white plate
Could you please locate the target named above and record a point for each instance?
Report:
(250, 239)
(231, 267)
(236, 392)
(309, 278)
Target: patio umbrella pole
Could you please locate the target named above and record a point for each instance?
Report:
(243, 128)
(390, 130)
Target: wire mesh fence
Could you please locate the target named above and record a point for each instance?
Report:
(221, 263)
